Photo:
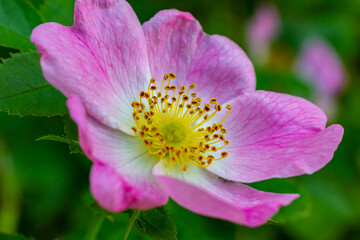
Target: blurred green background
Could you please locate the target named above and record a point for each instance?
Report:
(44, 190)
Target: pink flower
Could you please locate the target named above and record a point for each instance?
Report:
(149, 144)
(319, 64)
(261, 31)
(321, 67)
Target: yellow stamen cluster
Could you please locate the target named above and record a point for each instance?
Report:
(173, 125)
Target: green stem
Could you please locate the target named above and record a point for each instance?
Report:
(131, 223)
(95, 226)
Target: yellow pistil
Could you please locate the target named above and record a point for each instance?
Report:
(173, 126)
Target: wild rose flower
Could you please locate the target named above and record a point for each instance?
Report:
(319, 65)
(261, 30)
(192, 136)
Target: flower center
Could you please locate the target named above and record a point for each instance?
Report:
(174, 132)
(176, 126)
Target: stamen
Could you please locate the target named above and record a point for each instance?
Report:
(173, 125)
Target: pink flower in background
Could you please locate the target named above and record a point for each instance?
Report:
(193, 136)
(320, 66)
(261, 30)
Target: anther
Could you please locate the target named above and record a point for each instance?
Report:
(224, 154)
(163, 107)
(134, 104)
(192, 86)
(229, 107)
(218, 107)
(207, 107)
(223, 130)
(213, 101)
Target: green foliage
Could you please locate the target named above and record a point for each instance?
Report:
(194, 226)
(329, 199)
(70, 137)
(17, 19)
(285, 82)
(299, 209)
(156, 223)
(60, 11)
(51, 183)
(71, 132)
(24, 91)
(55, 138)
(74, 145)
(4, 236)
(99, 210)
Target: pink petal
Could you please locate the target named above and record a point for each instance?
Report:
(275, 135)
(261, 30)
(102, 59)
(176, 43)
(264, 25)
(114, 193)
(122, 173)
(319, 64)
(204, 193)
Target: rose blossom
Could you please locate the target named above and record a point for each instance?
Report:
(193, 136)
(319, 65)
(261, 31)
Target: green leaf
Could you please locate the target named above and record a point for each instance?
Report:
(24, 91)
(4, 236)
(12, 39)
(99, 210)
(71, 131)
(156, 223)
(55, 138)
(17, 19)
(37, 3)
(60, 11)
(70, 142)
